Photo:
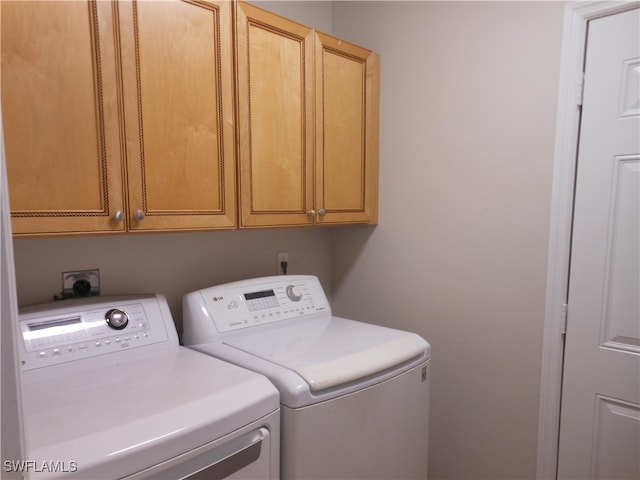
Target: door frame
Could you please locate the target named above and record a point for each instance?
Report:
(576, 18)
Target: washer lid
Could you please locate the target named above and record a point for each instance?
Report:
(328, 352)
(361, 364)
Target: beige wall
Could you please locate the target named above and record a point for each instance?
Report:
(313, 13)
(467, 129)
(468, 103)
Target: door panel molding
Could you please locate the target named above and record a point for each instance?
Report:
(612, 421)
(567, 126)
(619, 331)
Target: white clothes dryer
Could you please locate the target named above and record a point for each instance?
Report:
(354, 396)
(109, 393)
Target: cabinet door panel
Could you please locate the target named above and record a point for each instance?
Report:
(347, 91)
(275, 118)
(343, 102)
(178, 87)
(59, 101)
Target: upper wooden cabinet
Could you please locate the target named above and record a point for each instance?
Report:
(275, 118)
(177, 69)
(118, 115)
(308, 124)
(347, 92)
(61, 116)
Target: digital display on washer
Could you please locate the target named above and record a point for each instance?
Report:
(262, 294)
(261, 300)
(55, 323)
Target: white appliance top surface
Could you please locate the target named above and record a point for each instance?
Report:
(120, 412)
(283, 328)
(135, 413)
(327, 352)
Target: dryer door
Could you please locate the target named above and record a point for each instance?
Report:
(248, 456)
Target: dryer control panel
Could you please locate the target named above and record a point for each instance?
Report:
(250, 303)
(71, 330)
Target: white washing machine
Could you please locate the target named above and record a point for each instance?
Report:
(355, 396)
(109, 393)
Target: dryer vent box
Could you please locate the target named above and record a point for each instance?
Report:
(81, 283)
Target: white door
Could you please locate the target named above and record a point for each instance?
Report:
(600, 413)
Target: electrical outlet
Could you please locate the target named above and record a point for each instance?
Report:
(81, 283)
(282, 257)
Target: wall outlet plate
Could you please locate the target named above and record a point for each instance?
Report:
(81, 283)
(282, 257)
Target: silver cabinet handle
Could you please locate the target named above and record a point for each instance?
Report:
(311, 213)
(322, 212)
(139, 215)
(118, 216)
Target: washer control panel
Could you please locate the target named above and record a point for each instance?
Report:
(62, 332)
(264, 300)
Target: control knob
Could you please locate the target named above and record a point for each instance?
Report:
(117, 318)
(294, 293)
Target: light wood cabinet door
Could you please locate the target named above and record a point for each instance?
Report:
(346, 131)
(308, 143)
(275, 118)
(178, 103)
(60, 111)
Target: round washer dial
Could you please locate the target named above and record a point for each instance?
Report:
(294, 293)
(117, 318)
